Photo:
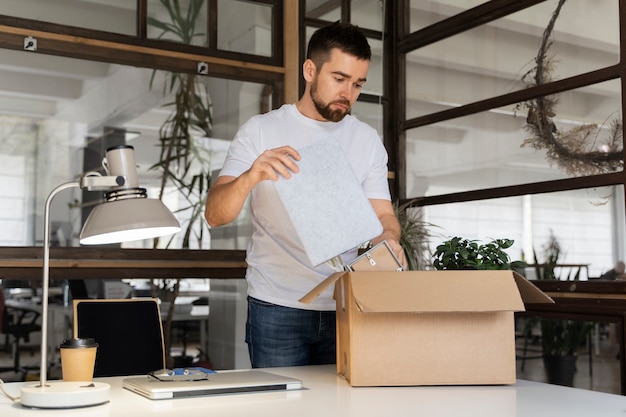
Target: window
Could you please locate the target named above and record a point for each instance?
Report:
(476, 158)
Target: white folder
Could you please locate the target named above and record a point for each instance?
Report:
(327, 204)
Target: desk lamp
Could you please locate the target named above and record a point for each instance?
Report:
(127, 214)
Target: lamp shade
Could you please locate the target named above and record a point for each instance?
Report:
(126, 220)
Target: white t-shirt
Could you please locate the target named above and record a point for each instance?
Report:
(278, 270)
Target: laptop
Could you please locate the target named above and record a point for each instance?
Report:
(222, 382)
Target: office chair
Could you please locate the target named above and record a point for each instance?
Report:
(129, 334)
(17, 324)
(78, 289)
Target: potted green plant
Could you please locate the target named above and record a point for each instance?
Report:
(458, 253)
(560, 339)
(414, 236)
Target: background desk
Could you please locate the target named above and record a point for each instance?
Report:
(597, 301)
(183, 315)
(326, 394)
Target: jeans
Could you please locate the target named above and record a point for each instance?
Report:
(284, 336)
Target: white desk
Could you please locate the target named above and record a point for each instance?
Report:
(328, 395)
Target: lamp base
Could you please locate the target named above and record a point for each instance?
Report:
(65, 394)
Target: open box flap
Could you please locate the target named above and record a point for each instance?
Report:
(321, 287)
(529, 292)
(436, 291)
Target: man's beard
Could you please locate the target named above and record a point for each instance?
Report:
(324, 109)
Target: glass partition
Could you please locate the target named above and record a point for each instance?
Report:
(117, 16)
(367, 14)
(185, 21)
(244, 27)
(500, 57)
(44, 146)
(425, 13)
(583, 222)
(510, 146)
(322, 9)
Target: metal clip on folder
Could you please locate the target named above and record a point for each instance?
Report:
(378, 258)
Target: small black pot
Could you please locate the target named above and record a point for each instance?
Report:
(560, 369)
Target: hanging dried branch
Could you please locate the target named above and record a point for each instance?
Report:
(580, 150)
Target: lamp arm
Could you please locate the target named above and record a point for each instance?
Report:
(46, 279)
(92, 181)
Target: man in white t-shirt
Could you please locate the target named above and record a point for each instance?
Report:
(279, 330)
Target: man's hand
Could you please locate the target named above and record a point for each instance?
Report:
(391, 228)
(274, 163)
(228, 195)
(398, 251)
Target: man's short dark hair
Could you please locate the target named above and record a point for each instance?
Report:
(344, 36)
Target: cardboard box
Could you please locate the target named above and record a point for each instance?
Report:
(427, 327)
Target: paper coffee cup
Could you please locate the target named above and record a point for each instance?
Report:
(78, 358)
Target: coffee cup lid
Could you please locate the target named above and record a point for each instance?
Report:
(79, 343)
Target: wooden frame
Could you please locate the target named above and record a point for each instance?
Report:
(106, 263)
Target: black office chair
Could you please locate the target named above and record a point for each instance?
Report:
(78, 289)
(17, 324)
(129, 334)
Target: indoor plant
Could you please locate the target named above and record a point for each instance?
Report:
(414, 236)
(458, 253)
(560, 339)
